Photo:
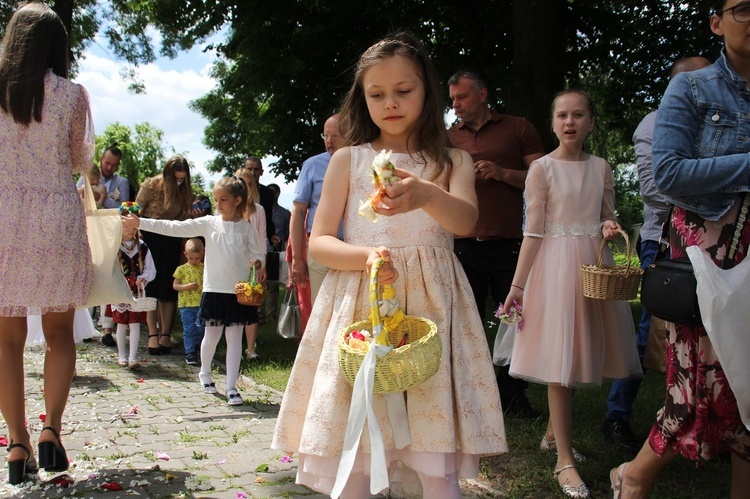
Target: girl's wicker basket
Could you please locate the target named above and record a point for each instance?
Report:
(143, 303)
(611, 282)
(252, 292)
(404, 367)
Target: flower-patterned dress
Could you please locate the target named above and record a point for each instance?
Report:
(45, 261)
(700, 418)
(455, 416)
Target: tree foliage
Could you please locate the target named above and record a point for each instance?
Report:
(286, 65)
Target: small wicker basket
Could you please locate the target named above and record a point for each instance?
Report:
(403, 367)
(143, 303)
(252, 292)
(611, 282)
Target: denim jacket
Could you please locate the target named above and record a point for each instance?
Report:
(701, 151)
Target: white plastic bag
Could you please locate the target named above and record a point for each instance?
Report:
(723, 300)
(503, 349)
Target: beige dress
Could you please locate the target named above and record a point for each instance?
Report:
(454, 417)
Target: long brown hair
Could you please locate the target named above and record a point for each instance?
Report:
(253, 194)
(35, 41)
(176, 196)
(430, 132)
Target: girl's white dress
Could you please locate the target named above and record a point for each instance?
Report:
(567, 338)
(83, 327)
(454, 417)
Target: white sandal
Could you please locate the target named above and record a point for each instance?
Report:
(552, 447)
(580, 491)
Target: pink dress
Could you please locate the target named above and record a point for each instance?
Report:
(45, 262)
(454, 417)
(569, 339)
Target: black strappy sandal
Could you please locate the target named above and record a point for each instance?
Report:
(53, 457)
(154, 350)
(165, 350)
(19, 468)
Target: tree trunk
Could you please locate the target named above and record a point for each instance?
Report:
(64, 10)
(539, 45)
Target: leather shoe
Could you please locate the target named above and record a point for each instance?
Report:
(519, 406)
(620, 433)
(108, 340)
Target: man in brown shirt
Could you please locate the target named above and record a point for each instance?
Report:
(502, 148)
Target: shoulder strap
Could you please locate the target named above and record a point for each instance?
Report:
(738, 225)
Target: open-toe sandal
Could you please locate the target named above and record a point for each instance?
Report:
(19, 468)
(615, 478)
(53, 457)
(548, 446)
(580, 491)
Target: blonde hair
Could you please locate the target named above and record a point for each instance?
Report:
(253, 194)
(94, 171)
(194, 245)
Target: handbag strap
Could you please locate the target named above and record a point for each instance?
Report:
(738, 224)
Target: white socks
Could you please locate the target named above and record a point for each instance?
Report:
(135, 337)
(234, 351)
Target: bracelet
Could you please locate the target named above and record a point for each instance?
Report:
(514, 286)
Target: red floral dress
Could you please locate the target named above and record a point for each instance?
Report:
(700, 418)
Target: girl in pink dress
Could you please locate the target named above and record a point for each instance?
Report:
(455, 416)
(568, 340)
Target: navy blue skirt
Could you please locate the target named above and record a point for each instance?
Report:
(222, 309)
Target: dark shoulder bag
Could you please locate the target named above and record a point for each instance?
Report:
(668, 286)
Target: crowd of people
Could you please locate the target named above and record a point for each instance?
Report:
(442, 246)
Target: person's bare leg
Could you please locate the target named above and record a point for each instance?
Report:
(740, 478)
(12, 396)
(166, 311)
(152, 321)
(640, 474)
(59, 364)
(251, 333)
(560, 401)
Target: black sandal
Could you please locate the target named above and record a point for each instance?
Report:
(19, 468)
(53, 457)
(154, 350)
(165, 350)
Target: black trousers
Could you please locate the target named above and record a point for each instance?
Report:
(489, 266)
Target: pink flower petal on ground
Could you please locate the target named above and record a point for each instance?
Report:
(3, 441)
(285, 459)
(133, 410)
(162, 456)
(110, 486)
(223, 461)
(63, 481)
(42, 417)
(139, 380)
(241, 495)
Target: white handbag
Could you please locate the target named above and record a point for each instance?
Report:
(104, 229)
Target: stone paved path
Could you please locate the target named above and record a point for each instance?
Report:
(155, 434)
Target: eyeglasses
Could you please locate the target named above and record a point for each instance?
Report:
(325, 136)
(740, 12)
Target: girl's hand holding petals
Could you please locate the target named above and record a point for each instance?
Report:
(403, 196)
(514, 295)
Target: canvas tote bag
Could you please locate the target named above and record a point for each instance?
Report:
(104, 229)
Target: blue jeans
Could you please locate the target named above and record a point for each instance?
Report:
(192, 333)
(623, 392)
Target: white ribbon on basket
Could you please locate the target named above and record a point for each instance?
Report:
(361, 409)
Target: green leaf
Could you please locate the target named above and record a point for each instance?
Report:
(263, 468)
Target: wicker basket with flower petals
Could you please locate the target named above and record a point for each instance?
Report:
(252, 292)
(611, 282)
